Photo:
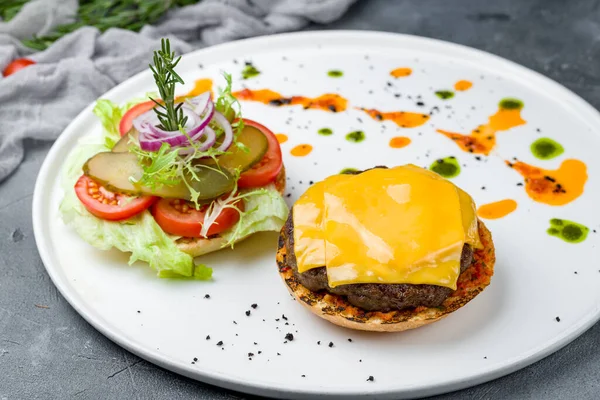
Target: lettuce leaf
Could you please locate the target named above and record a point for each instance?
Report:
(140, 235)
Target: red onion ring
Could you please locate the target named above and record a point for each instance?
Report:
(227, 129)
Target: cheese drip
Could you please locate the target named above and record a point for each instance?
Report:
(399, 225)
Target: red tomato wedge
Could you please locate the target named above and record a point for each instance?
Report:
(266, 170)
(17, 65)
(134, 112)
(180, 218)
(108, 205)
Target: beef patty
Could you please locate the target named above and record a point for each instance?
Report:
(371, 296)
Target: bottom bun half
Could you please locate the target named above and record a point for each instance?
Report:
(338, 310)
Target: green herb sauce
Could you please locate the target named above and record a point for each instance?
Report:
(325, 132)
(444, 94)
(511, 104)
(569, 231)
(348, 171)
(546, 149)
(356, 136)
(447, 167)
(250, 71)
(334, 73)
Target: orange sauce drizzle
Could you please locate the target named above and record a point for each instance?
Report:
(301, 150)
(201, 86)
(553, 187)
(281, 138)
(401, 72)
(483, 138)
(328, 102)
(403, 119)
(399, 142)
(497, 209)
(463, 85)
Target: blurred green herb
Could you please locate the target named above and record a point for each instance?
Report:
(102, 14)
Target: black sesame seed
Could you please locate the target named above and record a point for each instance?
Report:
(254, 306)
(483, 188)
(350, 340)
(304, 376)
(278, 354)
(485, 358)
(250, 354)
(207, 296)
(207, 337)
(289, 337)
(330, 344)
(139, 312)
(359, 360)
(235, 322)
(575, 272)
(220, 343)
(370, 379)
(247, 313)
(520, 184)
(478, 158)
(284, 317)
(420, 104)
(310, 182)
(259, 352)
(319, 342)
(557, 319)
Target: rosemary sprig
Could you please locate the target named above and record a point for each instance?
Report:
(170, 115)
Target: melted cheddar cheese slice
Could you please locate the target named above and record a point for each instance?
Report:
(399, 225)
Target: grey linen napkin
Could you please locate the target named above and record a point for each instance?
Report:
(39, 101)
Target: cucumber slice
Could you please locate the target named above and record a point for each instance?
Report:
(117, 172)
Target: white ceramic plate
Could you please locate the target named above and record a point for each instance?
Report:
(510, 325)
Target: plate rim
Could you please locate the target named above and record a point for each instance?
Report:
(86, 311)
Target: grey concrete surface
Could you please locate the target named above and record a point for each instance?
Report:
(52, 353)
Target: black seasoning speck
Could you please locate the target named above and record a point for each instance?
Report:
(284, 317)
(359, 360)
(485, 358)
(250, 354)
(220, 343)
(195, 359)
(557, 319)
(520, 184)
(254, 306)
(288, 195)
(289, 337)
(319, 342)
(593, 230)
(259, 352)
(247, 313)
(478, 158)
(397, 95)
(304, 376)
(330, 344)
(420, 104)
(276, 319)
(287, 323)
(483, 188)
(350, 340)
(370, 379)
(538, 130)
(235, 322)
(310, 182)
(575, 272)
(207, 337)
(139, 312)
(278, 354)
(207, 296)
(200, 66)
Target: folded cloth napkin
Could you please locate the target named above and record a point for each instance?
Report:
(41, 100)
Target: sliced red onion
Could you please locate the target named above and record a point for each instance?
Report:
(207, 143)
(227, 129)
(200, 102)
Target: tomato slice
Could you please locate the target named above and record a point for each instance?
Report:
(180, 217)
(134, 112)
(266, 170)
(17, 65)
(108, 205)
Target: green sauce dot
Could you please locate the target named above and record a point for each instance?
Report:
(325, 131)
(348, 171)
(569, 231)
(546, 149)
(444, 94)
(511, 104)
(447, 167)
(355, 137)
(250, 71)
(334, 73)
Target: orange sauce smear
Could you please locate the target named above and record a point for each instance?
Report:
(403, 119)
(399, 142)
(483, 138)
(401, 72)
(281, 138)
(328, 102)
(301, 150)
(553, 187)
(497, 209)
(463, 85)
(201, 86)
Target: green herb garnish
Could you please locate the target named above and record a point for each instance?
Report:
(170, 115)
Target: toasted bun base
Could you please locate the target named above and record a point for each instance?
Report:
(199, 246)
(336, 309)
